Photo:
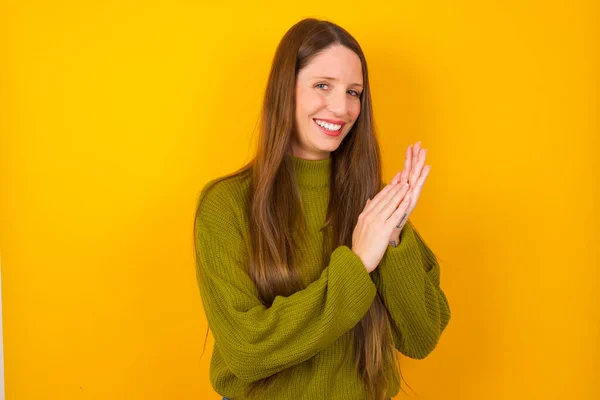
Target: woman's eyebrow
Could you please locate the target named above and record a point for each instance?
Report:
(335, 79)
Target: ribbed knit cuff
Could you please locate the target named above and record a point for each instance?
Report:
(408, 281)
(412, 251)
(346, 266)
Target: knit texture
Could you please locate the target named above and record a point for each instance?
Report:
(305, 336)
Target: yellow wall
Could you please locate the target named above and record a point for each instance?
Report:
(114, 115)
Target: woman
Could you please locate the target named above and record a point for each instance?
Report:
(310, 276)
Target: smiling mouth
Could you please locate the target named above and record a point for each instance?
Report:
(329, 126)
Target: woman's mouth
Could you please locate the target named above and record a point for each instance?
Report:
(330, 128)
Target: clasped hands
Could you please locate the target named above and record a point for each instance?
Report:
(386, 214)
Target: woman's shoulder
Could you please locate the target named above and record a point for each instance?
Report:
(227, 188)
(222, 202)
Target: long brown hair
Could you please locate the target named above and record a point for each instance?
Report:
(274, 207)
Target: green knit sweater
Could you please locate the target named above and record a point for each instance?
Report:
(305, 336)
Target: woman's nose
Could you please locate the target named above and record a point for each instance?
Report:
(338, 103)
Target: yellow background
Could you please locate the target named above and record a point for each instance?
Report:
(114, 114)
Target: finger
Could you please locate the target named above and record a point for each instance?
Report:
(396, 178)
(416, 190)
(413, 161)
(389, 198)
(407, 163)
(377, 198)
(423, 177)
(394, 201)
(382, 204)
(399, 216)
(404, 176)
(415, 153)
(418, 167)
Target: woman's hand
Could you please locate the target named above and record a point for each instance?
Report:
(415, 174)
(377, 221)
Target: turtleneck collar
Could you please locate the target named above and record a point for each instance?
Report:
(313, 173)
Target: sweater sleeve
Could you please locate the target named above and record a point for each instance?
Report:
(408, 281)
(257, 341)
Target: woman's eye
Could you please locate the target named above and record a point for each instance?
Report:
(354, 93)
(320, 85)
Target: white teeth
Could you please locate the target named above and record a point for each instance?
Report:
(328, 126)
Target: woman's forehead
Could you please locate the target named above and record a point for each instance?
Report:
(335, 63)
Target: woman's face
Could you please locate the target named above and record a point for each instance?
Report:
(327, 102)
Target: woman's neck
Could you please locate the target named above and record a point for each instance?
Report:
(315, 173)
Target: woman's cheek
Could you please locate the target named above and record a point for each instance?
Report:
(356, 113)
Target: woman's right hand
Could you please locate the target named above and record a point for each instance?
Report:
(377, 221)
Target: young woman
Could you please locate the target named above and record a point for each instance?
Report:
(312, 275)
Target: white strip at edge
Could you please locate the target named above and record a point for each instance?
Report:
(1, 339)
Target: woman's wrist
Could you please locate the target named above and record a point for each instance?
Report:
(394, 242)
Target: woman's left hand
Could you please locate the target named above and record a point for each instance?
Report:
(415, 173)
